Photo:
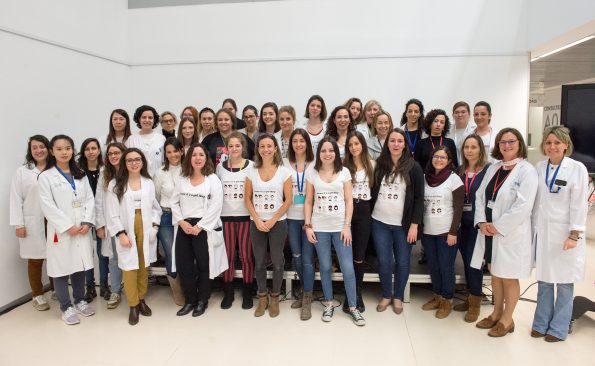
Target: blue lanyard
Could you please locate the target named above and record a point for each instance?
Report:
(300, 187)
(71, 182)
(411, 144)
(550, 185)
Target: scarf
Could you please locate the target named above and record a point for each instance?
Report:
(435, 180)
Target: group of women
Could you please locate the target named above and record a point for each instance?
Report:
(322, 184)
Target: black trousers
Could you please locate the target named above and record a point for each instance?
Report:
(192, 262)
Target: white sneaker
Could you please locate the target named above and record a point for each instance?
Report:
(114, 300)
(357, 318)
(70, 317)
(84, 309)
(40, 303)
(327, 314)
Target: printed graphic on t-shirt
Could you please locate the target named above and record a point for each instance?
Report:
(328, 202)
(389, 191)
(433, 206)
(221, 154)
(233, 191)
(264, 201)
(196, 199)
(361, 190)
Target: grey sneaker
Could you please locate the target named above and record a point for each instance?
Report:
(327, 314)
(84, 309)
(357, 318)
(70, 317)
(54, 296)
(40, 303)
(114, 300)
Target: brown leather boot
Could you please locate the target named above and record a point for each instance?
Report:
(274, 305)
(176, 289)
(444, 309)
(433, 303)
(473, 311)
(306, 306)
(263, 303)
(462, 306)
(133, 316)
(143, 308)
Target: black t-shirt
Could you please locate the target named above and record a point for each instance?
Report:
(491, 193)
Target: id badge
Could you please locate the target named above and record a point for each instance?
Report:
(491, 204)
(77, 204)
(299, 199)
(467, 207)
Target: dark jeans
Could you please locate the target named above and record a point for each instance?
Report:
(361, 227)
(394, 256)
(103, 267)
(466, 244)
(78, 289)
(275, 240)
(192, 262)
(441, 260)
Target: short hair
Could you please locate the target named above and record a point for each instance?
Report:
(188, 170)
(193, 111)
(261, 125)
(337, 163)
(431, 116)
(177, 145)
(205, 110)
(231, 116)
(484, 104)
(369, 105)
(277, 159)
(230, 101)
(29, 160)
(497, 154)
(288, 109)
(483, 155)
(168, 113)
(306, 136)
(322, 109)
(461, 104)
(142, 109)
(375, 120)
(240, 136)
(419, 105)
(563, 134)
(250, 107)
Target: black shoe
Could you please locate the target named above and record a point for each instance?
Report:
(228, 296)
(345, 306)
(360, 302)
(104, 291)
(422, 259)
(144, 309)
(133, 316)
(90, 293)
(247, 299)
(185, 309)
(200, 308)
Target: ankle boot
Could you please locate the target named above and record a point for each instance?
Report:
(247, 301)
(228, 295)
(462, 306)
(90, 293)
(104, 291)
(433, 304)
(299, 295)
(306, 306)
(176, 289)
(274, 306)
(444, 308)
(133, 316)
(263, 303)
(474, 309)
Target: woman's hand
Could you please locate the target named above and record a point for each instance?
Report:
(346, 235)
(185, 226)
(451, 240)
(492, 229)
(311, 236)
(569, 244)
(101, 233)
(74, 230)
(261, 226)
(412, 234)
(270, 223)
(484, 228)
(83, 229)
(125, 240)
(21, 232)
(195, 230)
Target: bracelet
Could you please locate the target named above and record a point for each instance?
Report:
(347, 224)
(307, 226)
(573, 239)
(120, 233)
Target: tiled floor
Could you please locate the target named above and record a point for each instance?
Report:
(235, 337)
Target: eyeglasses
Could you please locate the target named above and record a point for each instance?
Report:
(507, 142)
(439, 157)
(134, 161)
(114, 153)
(168, 120)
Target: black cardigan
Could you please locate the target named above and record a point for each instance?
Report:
(413, 210)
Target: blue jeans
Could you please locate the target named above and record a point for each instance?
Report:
(466, 244)
(166, 238)
(326, 241)
(553, 318)
(115, 271)
(302, 252)
(103, 267)
(391, 246)
(441, 260)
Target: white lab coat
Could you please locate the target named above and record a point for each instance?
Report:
(25, 211)
(554, 216)
(64, 208)
(100, 216)
(152, 148)
(512, 253)
(120, 216)
(209, 222)
(458, 139)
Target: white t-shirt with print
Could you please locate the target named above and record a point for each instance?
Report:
(438, 209)
(296, 210)
(361, 186)
(328, 212)
(267, 197)
(234, 188)
(390, 203)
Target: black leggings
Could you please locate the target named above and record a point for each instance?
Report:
(192, 262)
(361, 227)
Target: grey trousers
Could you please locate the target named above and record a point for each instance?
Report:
(78, 289)
(275, 240)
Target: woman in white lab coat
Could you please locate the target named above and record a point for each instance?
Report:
(26, 215)
(559, 217)
(133, 216)
(68, 205)
(504, 202)
(149, 141)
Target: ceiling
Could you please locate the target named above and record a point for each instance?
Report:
(568, 66)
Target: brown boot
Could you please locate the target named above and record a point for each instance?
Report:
(274, 308)
(462, 306)
(263, 303)
(473, 311)
(176, 289)
(306, 306)
(433, 303)
(444, 309)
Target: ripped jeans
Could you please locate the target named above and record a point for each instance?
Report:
(302, 252)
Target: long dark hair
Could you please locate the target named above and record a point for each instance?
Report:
(385, 169)
(177, 145)
(75, 171)
(261, 125)
(29, 160)
(337, 164)
(111, 136)
(122, 175)
(349, 163)
(181, 125)
(109, 170)
(82, 159)
(309, 151)
(188, 169)
(331, 126)
(420, 119)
